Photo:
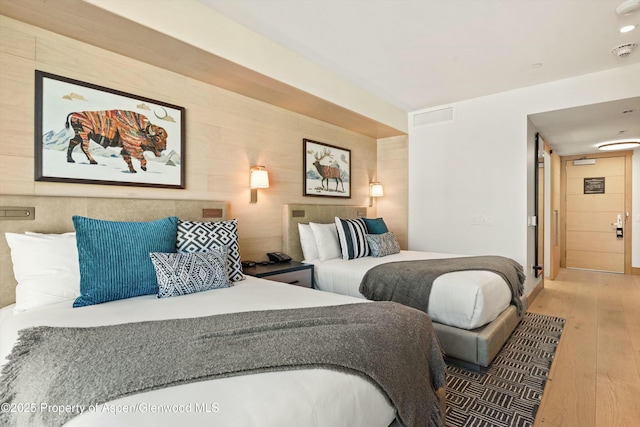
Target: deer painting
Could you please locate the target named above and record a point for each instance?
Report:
(328, 171)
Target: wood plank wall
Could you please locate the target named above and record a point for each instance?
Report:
(226, 133)
(393, 157)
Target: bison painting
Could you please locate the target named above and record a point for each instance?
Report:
(116, 128)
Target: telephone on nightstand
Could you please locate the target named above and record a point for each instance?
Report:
(278, 257)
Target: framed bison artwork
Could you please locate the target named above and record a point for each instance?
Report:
(327, 170)
(90, 134)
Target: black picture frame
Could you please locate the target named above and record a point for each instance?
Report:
(594, 185)
(319, 178)
(117, 126)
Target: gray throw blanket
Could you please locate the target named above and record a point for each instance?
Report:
(392, 346)
(409, 282)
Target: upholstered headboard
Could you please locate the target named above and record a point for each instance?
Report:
(292, 215)
(52, 214)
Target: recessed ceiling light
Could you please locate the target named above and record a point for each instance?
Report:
(627, 28)
(618, 145)
(536, 65)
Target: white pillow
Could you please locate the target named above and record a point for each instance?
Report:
(308, 243)
(46, 268)
(326, 236)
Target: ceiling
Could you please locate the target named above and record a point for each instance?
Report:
(422, 53)
(579, 130)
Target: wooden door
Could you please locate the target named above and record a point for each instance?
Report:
(554, 220)
(591, 241)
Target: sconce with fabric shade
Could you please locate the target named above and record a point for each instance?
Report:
(259, 179)
(375, 190)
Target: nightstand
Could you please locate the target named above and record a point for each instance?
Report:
(292, 272)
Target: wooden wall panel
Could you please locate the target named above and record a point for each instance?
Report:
(604, 242)
(591, 221)
(595, 261)
(556, 216)
(595, 202)
(226, 133)
(392, 173)
(613, 184)
(608, 166)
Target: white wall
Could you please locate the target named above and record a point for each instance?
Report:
(480, 166)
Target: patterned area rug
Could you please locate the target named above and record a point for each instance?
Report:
(508, 393)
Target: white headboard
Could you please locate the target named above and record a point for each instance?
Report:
(52, 214)
(294, 214)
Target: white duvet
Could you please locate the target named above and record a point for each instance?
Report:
(464, 299)
(310, 397)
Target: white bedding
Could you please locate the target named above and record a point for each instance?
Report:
(465, 299)
(310, 397)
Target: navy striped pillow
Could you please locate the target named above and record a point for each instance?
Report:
(352, 236)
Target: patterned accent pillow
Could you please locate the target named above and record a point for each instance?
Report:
(383, 244)
(351, 234)
(187, 273)
(194, 236)
(114, 257)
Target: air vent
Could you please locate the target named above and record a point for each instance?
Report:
(440, 115)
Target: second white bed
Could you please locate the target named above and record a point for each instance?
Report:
(464, 299)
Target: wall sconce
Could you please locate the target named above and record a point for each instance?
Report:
(375, 190)
(259, 179)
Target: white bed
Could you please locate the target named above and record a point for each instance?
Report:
(314, 397)
(472, 311)
(464, 299)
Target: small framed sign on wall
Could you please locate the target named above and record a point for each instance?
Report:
(594, 185)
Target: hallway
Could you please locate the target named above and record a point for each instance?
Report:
(595, 379)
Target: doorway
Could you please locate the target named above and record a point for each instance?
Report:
(597, 201)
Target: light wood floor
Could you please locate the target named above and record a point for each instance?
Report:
(595, 377)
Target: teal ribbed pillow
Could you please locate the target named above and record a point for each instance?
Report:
(114, 257)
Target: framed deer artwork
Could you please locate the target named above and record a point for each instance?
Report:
(327, 170)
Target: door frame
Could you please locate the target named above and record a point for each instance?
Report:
(627, 226)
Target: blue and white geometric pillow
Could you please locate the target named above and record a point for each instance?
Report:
(187, 273)
(352, 236)
(195, 236)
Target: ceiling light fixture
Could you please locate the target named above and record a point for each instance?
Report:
(627, 28)
(619, 145)
(628, 7)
